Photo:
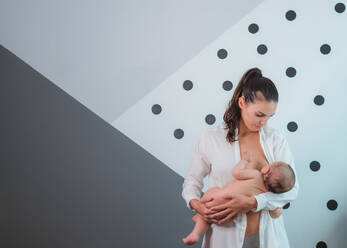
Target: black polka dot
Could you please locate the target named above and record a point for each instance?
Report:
(178, 133)
(262, 49)
(318, 100)
(332, 204)
(286, 206)
(315, 165)
(210, 119)
(321, 244)
(325, 49)
(290, 15)
(227, 85)
(340, 7)
(253, 28)
(292, 126)
(156, 109)
(222, 53)
(187, 85)
(291, 72)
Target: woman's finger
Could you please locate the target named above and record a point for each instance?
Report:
(221, 214)
(219, 208)
(233, 214)
(211, 203)
(226, 219)
(211, 215)
(208, 212)
(207, 199)
(211, 220)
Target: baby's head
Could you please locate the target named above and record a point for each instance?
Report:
(278, 177)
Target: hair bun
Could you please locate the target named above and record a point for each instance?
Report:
(255, 72)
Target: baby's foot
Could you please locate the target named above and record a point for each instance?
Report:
(276, 213)
(191, 239)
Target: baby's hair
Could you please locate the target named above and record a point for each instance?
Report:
(282, 178)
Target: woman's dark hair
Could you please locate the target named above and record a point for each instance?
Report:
(251, 82)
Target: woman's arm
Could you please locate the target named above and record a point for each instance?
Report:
(269, 200)
(199, 168)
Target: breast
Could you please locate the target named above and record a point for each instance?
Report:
(252, 144)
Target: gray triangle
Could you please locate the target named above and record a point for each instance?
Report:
(69, 179)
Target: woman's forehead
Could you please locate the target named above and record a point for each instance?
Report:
(265, 107)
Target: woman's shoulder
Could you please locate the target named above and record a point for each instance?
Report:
(214, 131)
(217, 130)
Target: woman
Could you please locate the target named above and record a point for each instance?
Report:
(218, 150)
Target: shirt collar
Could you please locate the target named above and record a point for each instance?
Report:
(261, 131)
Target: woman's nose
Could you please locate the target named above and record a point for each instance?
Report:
(263, 121)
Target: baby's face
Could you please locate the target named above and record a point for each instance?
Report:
(270, 173)
(278, 177)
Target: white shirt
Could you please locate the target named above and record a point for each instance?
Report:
(215, 156)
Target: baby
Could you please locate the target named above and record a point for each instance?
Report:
(277, 177)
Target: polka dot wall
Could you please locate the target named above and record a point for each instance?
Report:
(301, 46)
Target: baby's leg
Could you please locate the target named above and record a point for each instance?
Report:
(275, 213)
(200, 226)
(210, 193)
(199, 229)
(217, 194)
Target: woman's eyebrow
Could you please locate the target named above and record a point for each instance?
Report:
(265, 114)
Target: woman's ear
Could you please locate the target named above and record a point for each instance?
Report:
(241, 102)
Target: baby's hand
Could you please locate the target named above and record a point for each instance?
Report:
(276, 212)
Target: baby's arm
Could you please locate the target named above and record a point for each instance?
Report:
(240, 173)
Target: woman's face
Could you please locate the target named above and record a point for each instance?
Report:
(256, 114)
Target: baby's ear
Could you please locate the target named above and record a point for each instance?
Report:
(265, 169)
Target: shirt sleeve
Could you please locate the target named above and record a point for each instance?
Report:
(199, 168)
(269, 200)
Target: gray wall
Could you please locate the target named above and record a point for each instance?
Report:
(67, 177)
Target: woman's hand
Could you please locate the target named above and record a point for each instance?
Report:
(200, 208)
(236, 204)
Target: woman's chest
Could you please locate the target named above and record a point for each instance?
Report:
(252, 144)
(224, 155)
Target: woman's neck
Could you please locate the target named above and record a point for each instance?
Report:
(243, 130)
